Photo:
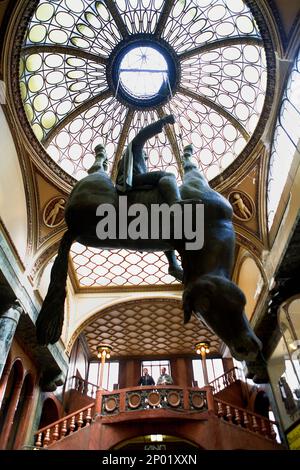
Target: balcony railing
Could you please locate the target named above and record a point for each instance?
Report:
(83, 386)
(149, 397)
(164, 401)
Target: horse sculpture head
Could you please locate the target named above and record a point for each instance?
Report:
(219, 303)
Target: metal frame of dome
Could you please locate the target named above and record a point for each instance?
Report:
(167, 7)
(133, 116)
(125, 46)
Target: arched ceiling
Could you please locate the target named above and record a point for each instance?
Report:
(72, 90)
(158, 325)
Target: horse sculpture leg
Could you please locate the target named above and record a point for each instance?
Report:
(50, 320)
(175, 269)
(220, 303)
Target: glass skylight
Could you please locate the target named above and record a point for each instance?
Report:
(143, 72)
(217, 99)
(74, 99)
(285, 141)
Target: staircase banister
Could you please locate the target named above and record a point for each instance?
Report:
(83, 380)
(52, 425)
(245, 411)
(226, 373)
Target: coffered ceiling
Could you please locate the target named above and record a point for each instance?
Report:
(144, 328)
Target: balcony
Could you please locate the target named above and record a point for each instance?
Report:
(152, 403)
(191, 413)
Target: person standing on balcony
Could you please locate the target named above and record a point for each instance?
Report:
(164, 378)
(146, 379)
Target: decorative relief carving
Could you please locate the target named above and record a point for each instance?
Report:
(242, 204)
(134, 400)
(173, 399)
(53, 213)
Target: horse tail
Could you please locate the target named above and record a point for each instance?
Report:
(50, 320)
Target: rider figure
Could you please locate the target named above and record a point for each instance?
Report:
(132, 169)
(133, 174)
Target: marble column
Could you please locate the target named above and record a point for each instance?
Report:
(8, 324)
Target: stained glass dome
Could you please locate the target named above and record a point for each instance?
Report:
(97, 71)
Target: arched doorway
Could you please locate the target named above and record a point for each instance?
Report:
(160, 442)
(20, 419)
(13, 383)
(49, 413)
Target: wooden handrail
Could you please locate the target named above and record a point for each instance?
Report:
(83, 381)
(241, 415)
(52, 425)
(83, 386)
(228, 372)
(244, 409)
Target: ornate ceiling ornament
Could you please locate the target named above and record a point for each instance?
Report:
(53, 213)
(242, 204)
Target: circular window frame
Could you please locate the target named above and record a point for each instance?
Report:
(115, 60)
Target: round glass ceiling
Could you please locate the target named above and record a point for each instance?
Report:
(98, 71)
(143, 73)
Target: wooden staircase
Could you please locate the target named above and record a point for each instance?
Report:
(196, 414)
(80, 393)
(64, 427)
(232, 388)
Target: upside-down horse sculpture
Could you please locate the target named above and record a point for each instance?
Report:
(208, 291)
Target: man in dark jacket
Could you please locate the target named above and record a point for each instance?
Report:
(146, 379)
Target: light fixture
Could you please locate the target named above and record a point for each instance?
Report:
(103, 351)
(202, 347)
(156, 437)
